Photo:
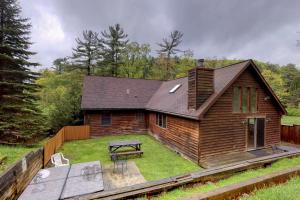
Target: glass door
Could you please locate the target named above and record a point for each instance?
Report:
(260, 132)
(255, 133)
(251, 134)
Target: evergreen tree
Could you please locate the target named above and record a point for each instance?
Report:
(87, 51)
(19, 116)
(114, 41)
(169, 48)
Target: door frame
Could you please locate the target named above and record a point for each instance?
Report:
(255, 132)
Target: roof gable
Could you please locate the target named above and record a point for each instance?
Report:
(234, 71)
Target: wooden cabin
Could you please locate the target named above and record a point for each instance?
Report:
(209, 112)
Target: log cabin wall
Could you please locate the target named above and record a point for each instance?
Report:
(121, 122)
(222, 131)
(181, 134)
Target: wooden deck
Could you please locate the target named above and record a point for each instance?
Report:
(219, 160)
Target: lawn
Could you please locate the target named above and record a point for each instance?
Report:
(13, 153)
(293, 117)
(156, 163)
(286, 191)
(290, 120)
(186, 192)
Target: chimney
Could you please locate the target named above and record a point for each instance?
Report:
(200, 85)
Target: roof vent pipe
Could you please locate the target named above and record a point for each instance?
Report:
(200, 63)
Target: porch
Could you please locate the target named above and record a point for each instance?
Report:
(235, 157)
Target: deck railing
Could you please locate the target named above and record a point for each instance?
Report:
(66, 133)
(290, 133)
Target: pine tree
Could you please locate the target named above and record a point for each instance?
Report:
(19, 116)
(169, 48)
(114, 41)
(87, 51)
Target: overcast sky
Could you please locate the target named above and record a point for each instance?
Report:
(266, 30)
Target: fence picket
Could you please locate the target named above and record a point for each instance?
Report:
(66, 133)
(290, 134)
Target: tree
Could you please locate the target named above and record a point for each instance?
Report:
(19, 116)
(114, 41)
(87, 51)
(60, 97)
(276, 82)
(136, 60)
(169, 48)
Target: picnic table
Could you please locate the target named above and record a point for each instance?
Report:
(133, 145)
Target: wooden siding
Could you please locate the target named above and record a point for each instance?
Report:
(180, 134)
(122, 122)
(222, 131)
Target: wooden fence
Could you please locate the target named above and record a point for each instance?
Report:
(17, 177)
(67, 133)
(290, 134)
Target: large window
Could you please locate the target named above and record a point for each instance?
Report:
(236, 99)
(106, 119)
(161, 120)
(253, 100)
(244, 100)
(140, 117)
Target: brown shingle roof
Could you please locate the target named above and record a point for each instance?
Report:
(101, 93)
(111, 93)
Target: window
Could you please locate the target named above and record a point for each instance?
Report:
(161, 120)
(140, 116)
(245, 101)
(253, 100)
(236, 99)
(106, 119)
(174, 88)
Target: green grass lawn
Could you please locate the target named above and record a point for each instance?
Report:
(157, 161)
(13, 153)
(186, 192)
(286, 191)
(293, 117)
(290, 120)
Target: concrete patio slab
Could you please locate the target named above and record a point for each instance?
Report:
(80, 185)
(50, 190)
(87, 168)
(51, 174)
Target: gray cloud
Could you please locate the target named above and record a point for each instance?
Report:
(259, 29)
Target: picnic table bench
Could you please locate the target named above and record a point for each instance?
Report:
(134, 148)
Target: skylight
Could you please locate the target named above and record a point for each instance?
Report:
(174, 88)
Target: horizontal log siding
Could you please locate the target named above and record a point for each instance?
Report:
(222, 131)
(180, 134)
(122, 122)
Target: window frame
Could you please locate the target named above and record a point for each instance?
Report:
(239, 99)
(140, 116)
(161, 120)
(110, 119)
(248, 96)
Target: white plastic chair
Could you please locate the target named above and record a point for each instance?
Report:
(59, 160)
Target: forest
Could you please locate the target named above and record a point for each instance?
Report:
(38, 103)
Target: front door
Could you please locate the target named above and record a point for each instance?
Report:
(255, 133)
